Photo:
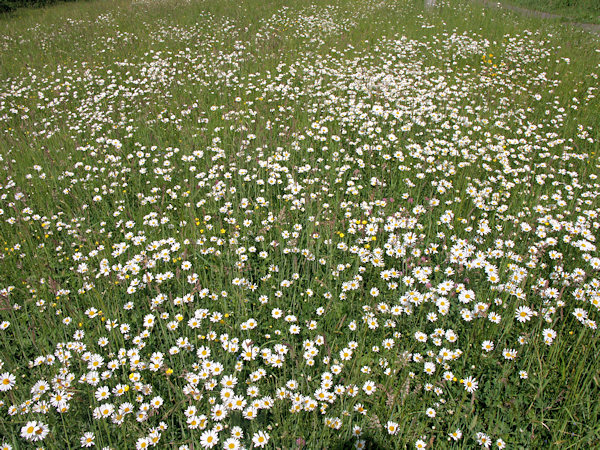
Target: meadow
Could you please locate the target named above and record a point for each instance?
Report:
(297, 225)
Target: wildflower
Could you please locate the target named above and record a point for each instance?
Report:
(142, 443)
(456, 435)
(231, 444)
(34, 431)
(237, 432)
(429, 368)
(470, 384)
(549, 335)
(391, 427)
(87, 440)
(7, 381)
(369, 387)
(483, 440)
(487, 346)
(209, 439)
(260, 439)
(250, 413)
(509, 353)
(420, 444)
(523, 314)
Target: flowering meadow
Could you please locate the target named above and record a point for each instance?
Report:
(310, 224)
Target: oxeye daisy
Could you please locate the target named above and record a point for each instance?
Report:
(260, 439)
(456, 435)
(87, 440)
(470, 384)
(7, 381)
(209, 439)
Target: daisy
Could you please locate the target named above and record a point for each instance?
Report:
(470, 384)
(487, 346)
(260, 439)
(218, 412)
(369, 387)
(391, 427)
(237, 432)
(420, 444)
(35, 431)
(7, 381)
(509, 353)
(523, 314)
(231, 444)
(142, 443)
(429, 368)
(28, 431)
(87, 440)
(209, 439)
(102, 393)
(456, 435)
(549, 335)
(250, 413)
(483, 440)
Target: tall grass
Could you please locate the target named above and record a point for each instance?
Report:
(298, 224)
(581, 10)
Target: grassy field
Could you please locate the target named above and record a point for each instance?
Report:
(309, 224)
(579, 10)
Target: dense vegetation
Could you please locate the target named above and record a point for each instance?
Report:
(581, 10)
(297, 224)
(12, 5)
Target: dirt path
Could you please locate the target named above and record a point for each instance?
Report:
(591, 27)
